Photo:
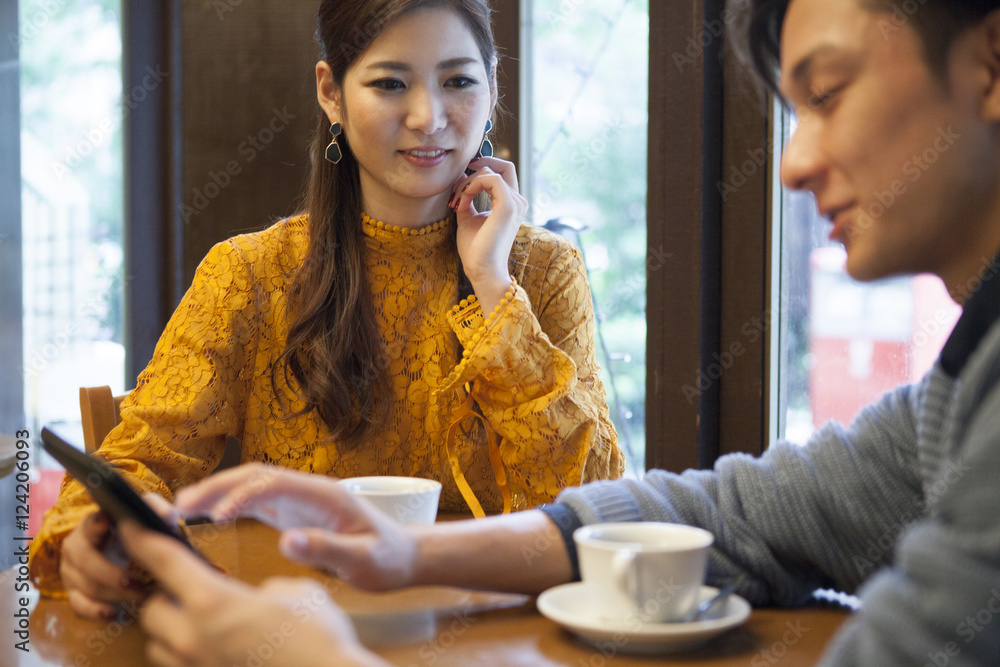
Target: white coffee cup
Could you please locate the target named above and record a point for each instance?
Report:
(405, 499)
(643, 572)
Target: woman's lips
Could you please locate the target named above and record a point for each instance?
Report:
(425, 157)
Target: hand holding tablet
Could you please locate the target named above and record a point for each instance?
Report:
(108, 489)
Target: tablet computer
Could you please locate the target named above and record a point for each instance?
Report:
(107, 488)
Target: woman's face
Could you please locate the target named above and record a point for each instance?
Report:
(904, 165)
(413, 108)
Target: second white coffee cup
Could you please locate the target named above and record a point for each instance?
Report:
(643, 572)
(405, 499)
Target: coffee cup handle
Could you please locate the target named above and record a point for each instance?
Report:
(623, 572)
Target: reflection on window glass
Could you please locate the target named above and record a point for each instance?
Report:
(71, 169)
(842, 344)
(589, 64)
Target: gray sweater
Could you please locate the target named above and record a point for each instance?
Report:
(901, 508)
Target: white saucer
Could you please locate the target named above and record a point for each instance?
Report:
(569, 606)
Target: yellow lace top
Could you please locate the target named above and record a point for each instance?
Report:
(529, 367)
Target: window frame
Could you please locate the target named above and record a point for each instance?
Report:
(708, 307)
(11, 268)
(147, 227)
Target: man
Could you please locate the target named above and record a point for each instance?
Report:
(900, 507)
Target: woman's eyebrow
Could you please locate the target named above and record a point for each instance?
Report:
(404, 67)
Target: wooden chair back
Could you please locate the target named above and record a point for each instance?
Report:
(100, 411)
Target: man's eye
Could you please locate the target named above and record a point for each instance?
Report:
(820, 99)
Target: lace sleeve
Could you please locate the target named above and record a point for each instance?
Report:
(187, 400)
(532, 370)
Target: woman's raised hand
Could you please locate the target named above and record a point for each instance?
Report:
(323, 524)
(485, 238)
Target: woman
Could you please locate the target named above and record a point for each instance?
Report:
(392, 329)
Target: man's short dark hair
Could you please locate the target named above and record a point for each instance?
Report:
(756, 33)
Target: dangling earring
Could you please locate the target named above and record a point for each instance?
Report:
(333, 153)
(486, 150)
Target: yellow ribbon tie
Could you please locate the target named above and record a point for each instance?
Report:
(494, 447)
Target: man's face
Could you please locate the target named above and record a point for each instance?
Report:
(901, 162)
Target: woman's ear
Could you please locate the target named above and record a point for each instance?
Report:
(494, 94)
(327, 92)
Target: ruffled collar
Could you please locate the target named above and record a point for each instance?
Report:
(408, 243)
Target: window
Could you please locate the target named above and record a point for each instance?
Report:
(841, 344)
(71, 201)
(71, 172)
(583, 123)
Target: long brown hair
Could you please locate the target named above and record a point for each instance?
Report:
(334, 348)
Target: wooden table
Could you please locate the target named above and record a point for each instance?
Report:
(416, 627)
